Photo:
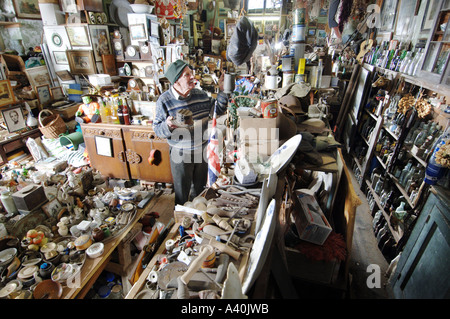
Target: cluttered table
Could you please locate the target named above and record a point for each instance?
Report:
(92, 267)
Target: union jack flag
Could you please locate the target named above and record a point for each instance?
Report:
(213, 153)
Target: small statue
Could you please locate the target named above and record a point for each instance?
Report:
(89, 111)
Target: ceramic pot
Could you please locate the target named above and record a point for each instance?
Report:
(98, 234)
(45, 270)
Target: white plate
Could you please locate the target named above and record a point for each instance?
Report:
(27, 272)
(283, 155)
(260, 248)
(7, 255)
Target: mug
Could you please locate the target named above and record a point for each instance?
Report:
(272, 81)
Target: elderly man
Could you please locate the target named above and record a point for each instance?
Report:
(187, 142)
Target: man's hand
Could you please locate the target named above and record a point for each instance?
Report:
(170, 124)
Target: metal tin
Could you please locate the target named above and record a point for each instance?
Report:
(298, 33)
(288, 78)
(269, 108)
(298, 16)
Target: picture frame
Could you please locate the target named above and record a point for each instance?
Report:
(27, 9)
(57, 93)
(57, 39)
(360, 94)
(104, 146)
(38, 76)
(60, 57)
(78, 35)
(52, 208)
(431, 12)
(81, 61)
(388, 15)
(405, 18)
(14, 119)
(109, 64)
(69, 6)
(100, 40)
(43, 94)
(6, 93)
(137, 32)
(311, 32)
(64, 75)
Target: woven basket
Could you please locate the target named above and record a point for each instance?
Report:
(51, 126)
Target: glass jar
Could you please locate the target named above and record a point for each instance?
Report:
(8, 202)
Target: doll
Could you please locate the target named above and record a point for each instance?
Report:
(89, 111)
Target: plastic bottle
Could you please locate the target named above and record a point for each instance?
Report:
(8, 202)
(434, 170)
(419, 62)
(114, 109)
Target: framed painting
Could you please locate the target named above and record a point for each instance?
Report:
(38, 76)
(27, 9)
(6, 93)
(78, 35)
(100, 40)
(60, 57)
(43, 94)
(137, 32)
(81, 62)
(57, 93)
(56, 37)
(104, 146)
(14, 119)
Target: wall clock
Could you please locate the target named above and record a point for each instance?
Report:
(127, 69)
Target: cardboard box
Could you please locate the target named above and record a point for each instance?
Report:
(262, 149)
(251, 128)
(311, 223)
(29, 197)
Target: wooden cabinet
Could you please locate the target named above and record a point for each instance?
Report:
(122, 151)
(101, 138)
(140, 141)
(422, 270)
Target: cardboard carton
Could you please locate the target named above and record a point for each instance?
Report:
(311, 223)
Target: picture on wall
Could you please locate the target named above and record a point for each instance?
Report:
(56, 37)
(100, 40)
(27, 9)
(137, 31)
(81, 62)
(60, 57)
(6, 93)
(14, 119)
(38, 76)
(78, 36)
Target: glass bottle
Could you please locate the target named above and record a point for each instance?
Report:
(419, 62)
(120, 111)
(319, 71)
(406, 62)
(126, 114)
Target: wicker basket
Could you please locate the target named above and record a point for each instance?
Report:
(51, 126)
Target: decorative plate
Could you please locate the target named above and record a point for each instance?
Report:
(283, 155)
